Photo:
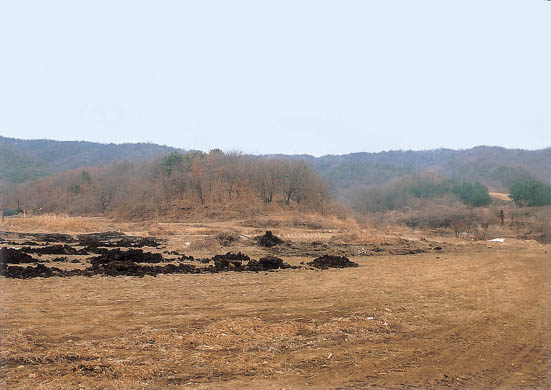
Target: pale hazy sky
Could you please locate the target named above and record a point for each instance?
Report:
(313, 77)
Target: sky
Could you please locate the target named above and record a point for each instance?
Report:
(316, 77)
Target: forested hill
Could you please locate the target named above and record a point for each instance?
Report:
(496, 167)
(23, 160)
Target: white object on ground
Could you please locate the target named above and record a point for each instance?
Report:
(497, 240)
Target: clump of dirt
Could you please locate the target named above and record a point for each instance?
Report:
(14, 256)
(136, 242)
(267, 263)
(55, 250)
(116, 240)
(232, 256)
(328, 261)
(229, 260)
(30, 272)
(268, 240)
(42, 237)
(131, 255)
(118, 268)
(53, 237)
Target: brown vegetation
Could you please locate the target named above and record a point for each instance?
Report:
(216, 185)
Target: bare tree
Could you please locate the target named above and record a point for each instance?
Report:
(293, 179)
(230, 171)
(106, 189)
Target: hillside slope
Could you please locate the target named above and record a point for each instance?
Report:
(22, 160)
(494, 166)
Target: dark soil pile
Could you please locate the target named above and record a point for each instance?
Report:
(117, 268)
(229, 261)
(131, 256)
(328, 261)
(136, 242)
(268, 240)
(15, 256)
(42, 237)
(53, 237)
(267, 263)
(125, 263)
(116, 240)
(232, 256)
(31, 272)
(122, 268)
(55, 250)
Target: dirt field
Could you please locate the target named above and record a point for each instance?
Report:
(475, 315)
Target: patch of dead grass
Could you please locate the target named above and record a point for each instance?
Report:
(57, 223)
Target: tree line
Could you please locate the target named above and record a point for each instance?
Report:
(401, 193)
(176, 181)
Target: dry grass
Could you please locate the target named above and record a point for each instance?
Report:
(476, 312)
(394, 319)
(302, 221)
(49, 223)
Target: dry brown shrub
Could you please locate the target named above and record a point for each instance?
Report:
(542, 224)
(445, 215)
(227, 238)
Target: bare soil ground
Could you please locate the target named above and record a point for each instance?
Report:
(472, 315)
(500, 196)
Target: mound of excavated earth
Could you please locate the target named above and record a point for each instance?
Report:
(267, 263)
(122, 268)
(116, 240)
(131, 255)
(328, 261)
(229, 260)
(54, 250)
(31, 272)
(268, 240)
(14, 256)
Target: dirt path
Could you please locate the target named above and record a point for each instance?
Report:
(477, 318)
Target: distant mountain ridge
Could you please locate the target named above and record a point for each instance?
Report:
(497, 167)
(494, 166)
(22, 160)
